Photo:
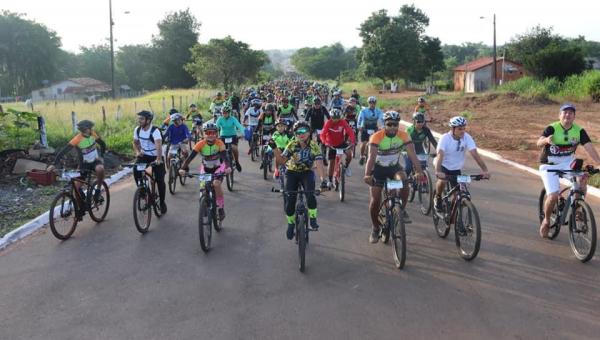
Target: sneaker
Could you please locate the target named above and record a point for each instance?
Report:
(348, 172)
(221, 214)
(437, 202)
(163, 208)
(362, 160)
(290, 231)
(313, 223)
(238, 167)
(374, 237)
(405, 217)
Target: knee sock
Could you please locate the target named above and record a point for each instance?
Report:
(221, 202)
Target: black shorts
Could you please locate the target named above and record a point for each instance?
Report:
(364, 135)
(331, 153)
(234, 139)
(454, 173)
(381, 173)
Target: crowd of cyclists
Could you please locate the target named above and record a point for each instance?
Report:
(302, 124)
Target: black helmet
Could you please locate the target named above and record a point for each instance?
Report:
(301, 124)
(172, 111)
(146, 114)
(336, 113)
(317, 100)
(85, 124)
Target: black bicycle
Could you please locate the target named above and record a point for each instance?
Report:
(208, 217)
(229, 177)
(145, 198)
(255, 145)
(459, 210)
(70, 204)
(391, 221)
(575, 212)
(422, 190)
(302, 226)
(174, 165)
(266, 156)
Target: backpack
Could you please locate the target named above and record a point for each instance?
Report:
(152, 129)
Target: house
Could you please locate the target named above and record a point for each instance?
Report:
(72, 88)
(477, 74)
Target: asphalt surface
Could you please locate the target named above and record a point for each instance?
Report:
(110, 282)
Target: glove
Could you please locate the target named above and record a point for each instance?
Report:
(272, 144)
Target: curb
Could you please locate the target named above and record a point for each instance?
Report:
(486, 153)
(38, 222)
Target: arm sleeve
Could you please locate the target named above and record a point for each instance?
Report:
(548, 131)
(430, 136)
(584, 138)
(102, 145)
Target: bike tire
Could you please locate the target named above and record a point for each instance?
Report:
(300, 234)
(342, 183)
(442, 229)
(172, 179)
(411, 191)
(96, 214)
(265, 169)
(554, 229)
(156, 207)
(582, 254)
(67, 213)
(182, 179)
(229, 180)
(471, 227)
(398, 234)
(382, 218)
(204, 224)
(252, 152)
(426, 205)
(142, 206)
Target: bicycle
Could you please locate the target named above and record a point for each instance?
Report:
(465, 229)
(339, 172)
(266, 156)
(196, 129)
(571, 211)
(302, 226)
(423, 190)
(254, 145)
(229, 177)
(145, 198)
(207, 213)
(355, 129)
(175, 165)
(391, 221)
(70, 204)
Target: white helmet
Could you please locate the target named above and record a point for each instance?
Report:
(458, 121)
(176, 116)
(372, 99)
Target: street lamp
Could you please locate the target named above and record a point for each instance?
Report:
(494, 71)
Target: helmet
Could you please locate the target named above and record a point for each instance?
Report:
(336, 113)
(210, 127)
(421, 100)
(317, 100)
(85, 124)
(256, 102)
(336, 93)
(173, 111)
(226, 107)
(419, 117)
(219, 94)
(283, 122)
(457, 121)
(270, 96)
(146, 114)
(176, 116)
(372, 99)
(567, 106)
(270, 107)
(192, 105)
(391, 115)
(300, 124)
(352, 99)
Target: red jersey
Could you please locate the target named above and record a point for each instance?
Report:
(335, 133)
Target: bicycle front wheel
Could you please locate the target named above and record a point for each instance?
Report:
(300, 234)
(383, 220)
(205, 220)
(229, 180)
(582, 231)
(425, 194)
(63, 216)
(172, 179)
(142, 210)
(439, 223)
(398, 234)
(100, 201)
(342, 184)
(467, 230)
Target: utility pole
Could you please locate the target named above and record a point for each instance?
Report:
(112, 51)
(495, 72)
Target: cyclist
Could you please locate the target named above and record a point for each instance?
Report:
(316, 117)
(266, 124)
(167, 120)
(286, 111)
(216, 106)
(86, 142)
(369, 120)
(422, 106)
(337, 134)
(418, 133)
(281, 137)
(559, 141)
(300, 155)
(251, 120)
(234, 102)
(337, 102)
(351, 112)
(147, 143)
(383, 163)
(229, 127)
(178, 135)
(214, 161)
(197, 119)
(355, 95)
(451, 157)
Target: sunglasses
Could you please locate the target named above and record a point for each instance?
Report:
(301, 131)
(210, 133)
(391, 124)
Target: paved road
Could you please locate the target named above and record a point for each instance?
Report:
(110, 282)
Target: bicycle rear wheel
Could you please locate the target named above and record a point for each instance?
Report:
(172, 178)
(554, 219)
(425, 194)
(99, 202)
(467, 230)
(582, 231)
(205, 220)
(300, 234)
(142, 210)
(63, 216)
(253, 155)
(439, 224)
(398, 234)
(342, 184)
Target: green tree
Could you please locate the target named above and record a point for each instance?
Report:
(94, 62)
(28, 54)
(225, 62)
(137, 65)
(433, 58)
(326, 62)
(178, 33)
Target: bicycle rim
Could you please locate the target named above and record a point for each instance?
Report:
(439, 224)
(63, 216)
(467, 230)
(142, 210)
(204, 225)
(300, 233)
(426, 194)
(411, 191)
(172, 179)
(582, 231)
(229, 180)
(398, 237)
(100, 201)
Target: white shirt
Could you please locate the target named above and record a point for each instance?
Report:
(253, 115)
(454, 150)
(148, 147)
